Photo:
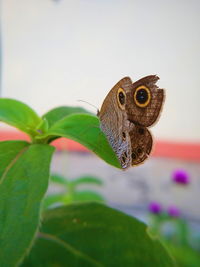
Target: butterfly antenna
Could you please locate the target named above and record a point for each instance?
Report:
(90, 105)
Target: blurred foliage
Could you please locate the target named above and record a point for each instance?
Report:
(177, 236)
(71, 192)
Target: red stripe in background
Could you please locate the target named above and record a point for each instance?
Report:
(185, 151)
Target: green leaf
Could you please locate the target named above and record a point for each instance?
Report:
(58, 179)
(9, 150)
(23, 185)
(85, 129)
(185, 256)
(86, 180)
(92, 234)
(59, 113)
(61, 254)
(19, 115)
(52, 199)
(87, 195)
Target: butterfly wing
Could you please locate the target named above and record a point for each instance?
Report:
(141, 144)
(114, 123)
(144, 101)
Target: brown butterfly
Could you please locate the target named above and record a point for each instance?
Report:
(127, 111)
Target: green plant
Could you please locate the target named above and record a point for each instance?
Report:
(175, 234)
(174, 231)
(72, 193)
(87, 234)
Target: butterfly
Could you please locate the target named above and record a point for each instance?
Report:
(127, 112)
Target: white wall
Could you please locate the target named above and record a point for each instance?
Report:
(56, 52)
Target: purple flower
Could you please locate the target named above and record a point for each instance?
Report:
(155, 207)
(180, 176)
(173, 211)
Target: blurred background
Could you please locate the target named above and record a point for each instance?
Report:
(55, 53)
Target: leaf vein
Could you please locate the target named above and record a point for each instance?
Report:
(68, 247)
(12, 163)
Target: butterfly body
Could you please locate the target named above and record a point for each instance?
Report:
(127, 111)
